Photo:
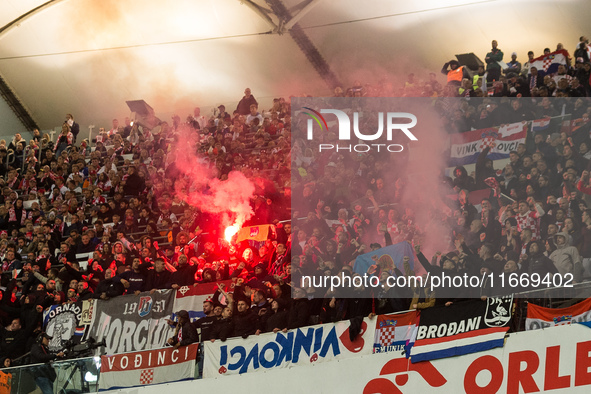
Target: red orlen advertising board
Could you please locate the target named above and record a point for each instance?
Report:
(551, 360)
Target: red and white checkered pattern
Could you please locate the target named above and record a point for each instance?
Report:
(529, 220)
(386, 335)
(486, 142)
(392, 228)
(147, 376)
(548, 62)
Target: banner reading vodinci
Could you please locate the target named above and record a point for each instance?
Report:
(302, 346)
(133, 323)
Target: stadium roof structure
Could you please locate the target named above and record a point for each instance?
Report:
(88, 57)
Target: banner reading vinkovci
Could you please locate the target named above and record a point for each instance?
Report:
(466, 147)
(302, 346)
(133, 323)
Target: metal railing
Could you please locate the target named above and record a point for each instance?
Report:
(79, 375)
(68, 376)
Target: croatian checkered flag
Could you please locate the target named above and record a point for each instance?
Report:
(487, 142)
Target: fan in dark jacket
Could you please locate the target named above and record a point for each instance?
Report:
(537, 262)
(185, 334)
(484, 169)
(14, 339)
(299, 313)
(184, 275)
(277, 319)
(245, 321)
(109, 288)
(158, 277)
(224, 327)
(134, 184)
(206, 323)
(462, 180)
(45, 374)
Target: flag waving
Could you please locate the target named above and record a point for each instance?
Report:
(387, 258)
(466, 147)
(549, 63)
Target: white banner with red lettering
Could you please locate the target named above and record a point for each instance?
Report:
(302, 346)
(148, 367)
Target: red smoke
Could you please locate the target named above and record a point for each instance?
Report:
(200, 187)
(422, 192)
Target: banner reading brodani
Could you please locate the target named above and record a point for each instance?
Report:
(131, 323)
(302, 346)
(540, 317)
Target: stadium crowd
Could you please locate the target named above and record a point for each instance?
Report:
(116, 203)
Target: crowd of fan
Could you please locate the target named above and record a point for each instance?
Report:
(120, 210)
(516, 79)
(116, 202)
(533, 220)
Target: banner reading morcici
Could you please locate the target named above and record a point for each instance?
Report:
(132, 323)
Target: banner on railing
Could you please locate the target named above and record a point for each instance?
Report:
(148, 367)
(191, 298)
(394, 332)
(555, 360)
(465, 147)
(462, 328)
(302, 346)
(132, 323)
(63, 323)
(540, 317)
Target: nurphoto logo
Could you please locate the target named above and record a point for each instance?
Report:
(395, 121)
